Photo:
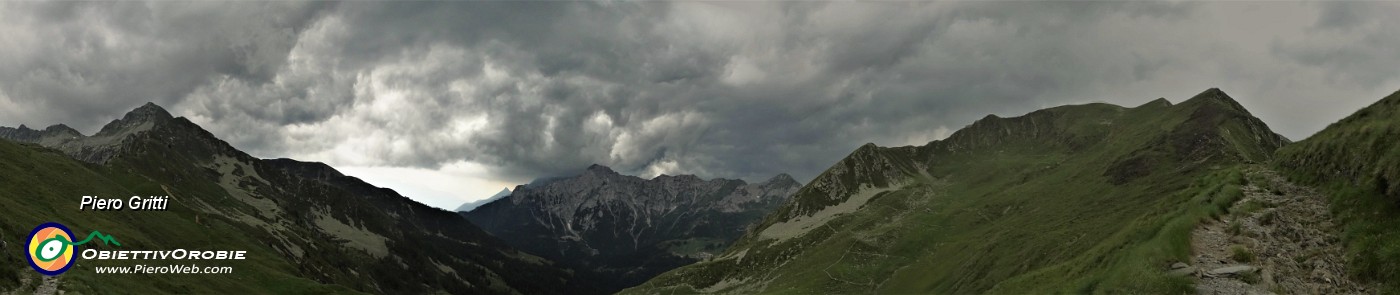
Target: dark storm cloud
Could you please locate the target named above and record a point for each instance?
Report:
(79, 61)
(719, 89)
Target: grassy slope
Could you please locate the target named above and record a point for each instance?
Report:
(1092, 198)
(41, 185)
(1357, 161)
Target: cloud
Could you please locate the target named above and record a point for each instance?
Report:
(719, 89)
(81, 61)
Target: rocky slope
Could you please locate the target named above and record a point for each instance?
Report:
(308, 220)
(1073, 199)
(621, 230)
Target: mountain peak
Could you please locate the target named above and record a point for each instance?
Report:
(141, 118)
(61, 129)
(149, 110)
(781, 177)
(599, 169)
(1159, 102)
(1214, 96)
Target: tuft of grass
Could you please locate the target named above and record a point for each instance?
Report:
(1241, 254)
(1235, 227)
(1251, 206)
(1252, 277)
(1268, 217)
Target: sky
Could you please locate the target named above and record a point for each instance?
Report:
(448, 102)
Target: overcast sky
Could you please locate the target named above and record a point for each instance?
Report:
(448, 102)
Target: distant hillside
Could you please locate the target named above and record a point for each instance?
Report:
(505, 192)
(1357, 161)
(1092, 198)
(621, 230)
(307, 227)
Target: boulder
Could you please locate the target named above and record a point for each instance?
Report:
(1233, 270)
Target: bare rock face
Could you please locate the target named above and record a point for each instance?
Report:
(624, 229)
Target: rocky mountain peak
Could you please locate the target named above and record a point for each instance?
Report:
(60, 129)
(1159, 102)
(1215, 97)
(780, 179)
(150, 109)
(139, 119)
(680, 178)
(596, 169)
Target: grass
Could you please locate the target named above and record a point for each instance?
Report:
(1241, 254)
(1268, 218)
(1135, 263)
(1252, 206)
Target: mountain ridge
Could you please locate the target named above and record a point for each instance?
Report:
(865, 223)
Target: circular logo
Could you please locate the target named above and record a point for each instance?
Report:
(51, 248)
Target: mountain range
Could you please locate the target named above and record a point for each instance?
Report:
(621, 230)
(1092, 198)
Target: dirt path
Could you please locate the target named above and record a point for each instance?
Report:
(48, 287)
(1279, 238)
(38, 284)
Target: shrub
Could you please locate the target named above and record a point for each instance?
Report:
(1268, 217)
(1234, 228)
